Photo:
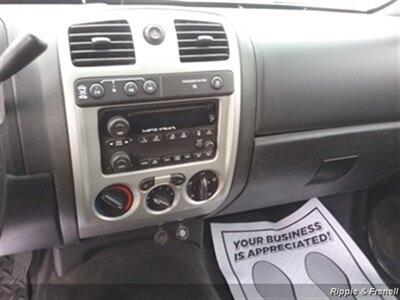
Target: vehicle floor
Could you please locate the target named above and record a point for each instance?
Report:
(143, 269)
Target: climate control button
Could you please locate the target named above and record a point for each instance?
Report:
(217, 82)
(130, 88)
(147, 183)
(177, 179)
(96, 90)
(150, 87)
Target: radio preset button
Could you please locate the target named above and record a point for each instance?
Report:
(199, 143)
(208, 153)
(209, 131)
(177, 157)
(184, 135)
(217, 82)
(171, 136)
(150, 87)
(197, 155)
(118, 126)
(96, 90)
(167, 159)
(156, 138)
(198, 132)
(143, 140)
(155, 161)
(130, 88)
(147, 183)
(209, 145)
(187, 156)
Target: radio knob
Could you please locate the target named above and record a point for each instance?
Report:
(118, 126)
(120, 161)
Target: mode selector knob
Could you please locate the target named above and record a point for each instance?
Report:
(120, 161)
(118, 126)
(202, 186)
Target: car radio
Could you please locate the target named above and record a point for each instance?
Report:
(133, 138)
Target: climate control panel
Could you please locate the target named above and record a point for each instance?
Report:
(141, 138)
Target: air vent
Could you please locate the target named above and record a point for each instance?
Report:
(101, 44)
(201, 41)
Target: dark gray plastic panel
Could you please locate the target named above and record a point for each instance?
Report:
(40, 113)
(2, 117)
(283, 165)
(317, 71)
(31, 215)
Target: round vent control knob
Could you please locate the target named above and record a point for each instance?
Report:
(118, 126)
(120, 161)
(114, 201)
(202, 186)
(160, 198)
(153, 34)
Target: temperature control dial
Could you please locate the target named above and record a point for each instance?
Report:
(160, 198)
(202, 186)
(114, 201)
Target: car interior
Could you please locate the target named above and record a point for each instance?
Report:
(128, 127)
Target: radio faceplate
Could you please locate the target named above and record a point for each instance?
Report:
(133, 138)
(177, 86)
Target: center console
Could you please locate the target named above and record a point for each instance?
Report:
(152, 99)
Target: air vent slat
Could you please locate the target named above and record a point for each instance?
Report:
(101, 44)
(207, 57)
(91, 34)
(103, 61)
(201, 41)
(204, 48)
(97, 25)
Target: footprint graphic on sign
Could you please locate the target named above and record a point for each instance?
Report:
(271, 282)
(326, 274)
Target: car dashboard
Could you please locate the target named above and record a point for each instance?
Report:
(142, 115)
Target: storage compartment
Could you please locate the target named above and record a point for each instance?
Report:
(298, 166)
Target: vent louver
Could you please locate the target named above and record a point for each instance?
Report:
(101, 44)
(201, 41)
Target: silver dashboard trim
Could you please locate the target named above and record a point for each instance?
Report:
(82, 122)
